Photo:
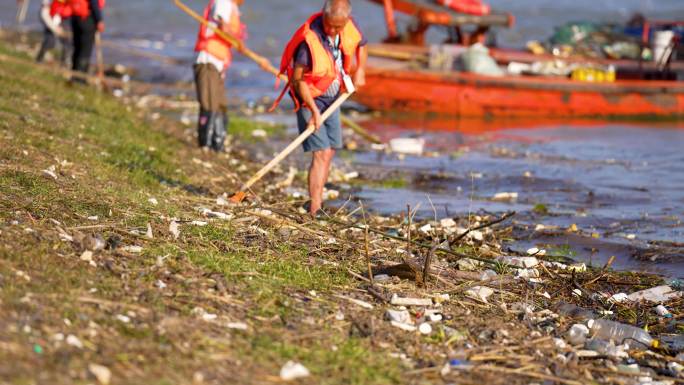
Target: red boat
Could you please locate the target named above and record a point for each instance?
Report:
(399, 78)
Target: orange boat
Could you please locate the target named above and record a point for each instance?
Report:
(399, 78)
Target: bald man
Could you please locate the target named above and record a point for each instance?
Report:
(327, 48)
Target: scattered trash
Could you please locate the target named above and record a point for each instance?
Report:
(663, 312)
(480, 293)
(622, 334)
(505, 196)
(425, 328)
(237, 326)
(381, 278)
(101, 373)
(149, 234)
(524, 262)
(293, 371)
(72, 340)
(37, 349)
(536, 251)
(214, 214)
(577, 335)
(50, 172)
(656, 294)
(174, 229)
(259, 133)
(488, 275)
(132, 249)
(577, 268)
(530, 275)
(398, 301)
(87, 256)
(467, 264)
(408, 146)
(400, 316)
(560, 343)
(403, 326)
(629, 369)
(153, 201)
(123, 318)
(358, 302)
(618, 298)
(460, 365)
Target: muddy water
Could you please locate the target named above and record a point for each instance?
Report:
(619, 181)
(622, 185)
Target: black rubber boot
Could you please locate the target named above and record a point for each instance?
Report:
(220, 131)
(205, 128)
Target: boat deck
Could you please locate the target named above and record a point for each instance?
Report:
(430, 13)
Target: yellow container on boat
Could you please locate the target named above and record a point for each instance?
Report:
(594, 75)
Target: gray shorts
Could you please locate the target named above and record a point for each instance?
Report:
(329, 135)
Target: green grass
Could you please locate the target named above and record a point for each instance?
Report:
(540, 209)
(109, 162)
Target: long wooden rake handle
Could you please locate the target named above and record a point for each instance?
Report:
(262, 61)
(295, 143)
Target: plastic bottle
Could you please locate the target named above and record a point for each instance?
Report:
(623, 334)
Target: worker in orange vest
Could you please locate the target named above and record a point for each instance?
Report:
(52, 15)
(214, 57)
(324, 51)
(86, 20)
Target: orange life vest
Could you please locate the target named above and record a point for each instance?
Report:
(61, 8)
(81, 8)
(212, 43)
(323, 69)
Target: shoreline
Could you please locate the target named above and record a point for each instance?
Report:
(408, 183)
(119, 255)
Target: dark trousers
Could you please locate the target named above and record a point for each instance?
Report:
(50, 41)
(84, 40)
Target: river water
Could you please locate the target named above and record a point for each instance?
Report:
(621, 182)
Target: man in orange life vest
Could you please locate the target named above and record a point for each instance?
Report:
(213, 59)
(317, 58)
(86, 20)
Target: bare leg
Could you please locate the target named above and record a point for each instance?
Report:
(318, 175)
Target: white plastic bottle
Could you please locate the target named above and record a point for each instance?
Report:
(622, 334)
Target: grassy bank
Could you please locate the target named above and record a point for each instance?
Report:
(78, 164)
(118, 260)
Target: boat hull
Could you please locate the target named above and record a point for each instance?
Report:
(471, 95)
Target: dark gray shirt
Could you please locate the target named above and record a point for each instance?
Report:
(303, 58)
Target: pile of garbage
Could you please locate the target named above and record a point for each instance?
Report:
(446, 299)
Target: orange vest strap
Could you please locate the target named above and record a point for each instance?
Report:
(323, 68)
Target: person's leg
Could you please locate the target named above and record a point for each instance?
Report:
(329, 155)
(317, 174)
(76, 32)
(86, 41)
(47, 44)
(219, 110)
(204, 122)
(66, 51)
(319, 145)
